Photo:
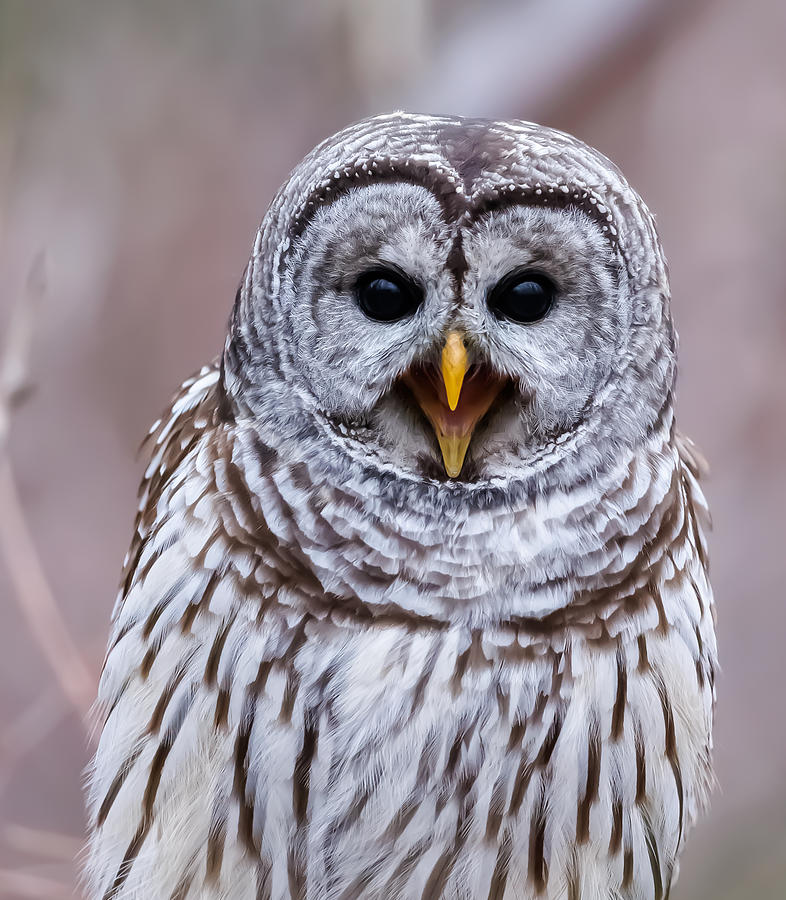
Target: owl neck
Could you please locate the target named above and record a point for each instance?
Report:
(544, 554)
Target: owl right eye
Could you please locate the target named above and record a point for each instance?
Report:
(387, 296)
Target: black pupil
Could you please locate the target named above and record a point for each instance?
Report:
(387, 296)
(522, 297)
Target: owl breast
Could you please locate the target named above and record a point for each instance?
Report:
(448, 764)
(377, 762)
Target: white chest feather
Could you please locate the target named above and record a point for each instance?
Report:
(325, 759)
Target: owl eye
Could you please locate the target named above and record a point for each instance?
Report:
(387, 296)
(522, 296)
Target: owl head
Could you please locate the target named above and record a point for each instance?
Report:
(454, 302)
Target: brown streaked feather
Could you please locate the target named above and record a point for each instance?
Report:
(594, 751)
(620, 700)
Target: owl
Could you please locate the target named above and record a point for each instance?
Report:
(417, 603)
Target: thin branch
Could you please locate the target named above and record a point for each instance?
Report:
(34, 595)
(14, 380)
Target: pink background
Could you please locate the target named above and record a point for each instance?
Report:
(139, 146)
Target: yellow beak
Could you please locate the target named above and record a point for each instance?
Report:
(454, 367)
(453, 400)
(454, 449)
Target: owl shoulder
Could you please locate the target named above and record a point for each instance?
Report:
(693, 470)
(171, 443)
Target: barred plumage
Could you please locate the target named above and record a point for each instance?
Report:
(336, 673)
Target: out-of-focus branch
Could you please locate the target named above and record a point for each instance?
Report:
(33, 593)
(14, 381)
(514, 58)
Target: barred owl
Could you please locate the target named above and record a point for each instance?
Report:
(417, 601)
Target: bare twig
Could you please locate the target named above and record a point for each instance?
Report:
(34, 595)
(14, 381)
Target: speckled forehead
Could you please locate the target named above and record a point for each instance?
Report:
(471, 166)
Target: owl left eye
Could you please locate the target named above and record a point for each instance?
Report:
(387, 296)
(522, 297)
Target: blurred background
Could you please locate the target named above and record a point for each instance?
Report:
(140, 143)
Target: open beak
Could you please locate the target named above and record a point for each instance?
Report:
(454, 398)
